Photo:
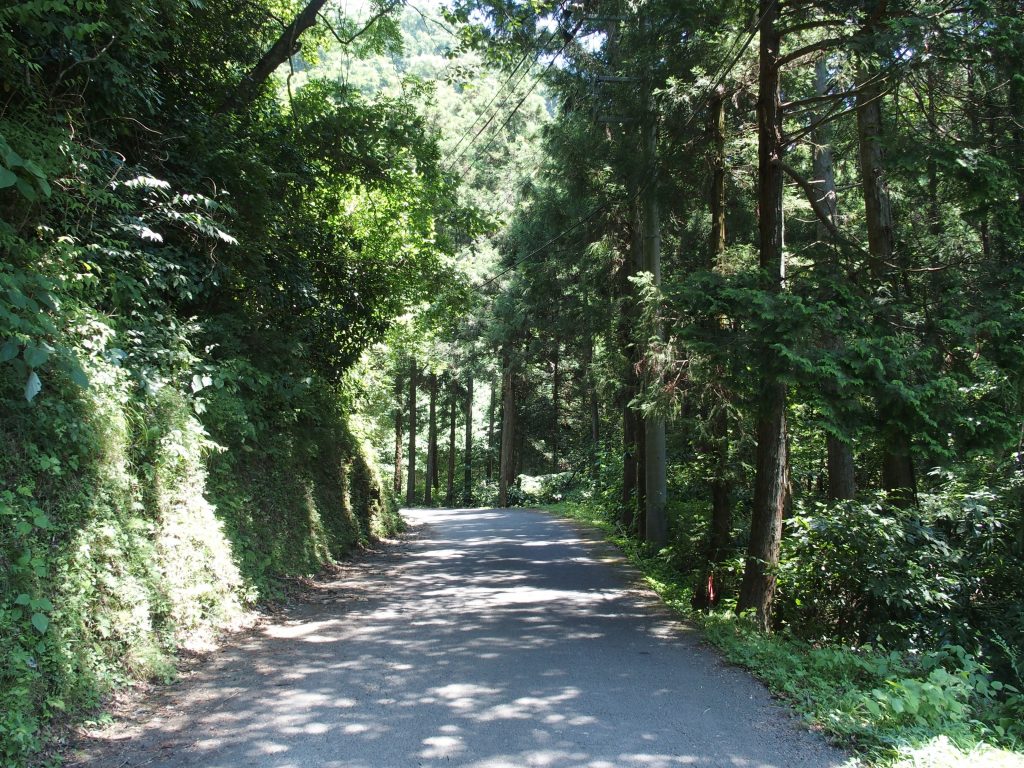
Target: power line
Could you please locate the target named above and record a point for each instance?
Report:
(719, 80)
(576, 225)
(523, 60)
(504, 101)
(751, 33)
(530, 90)
(484, 110)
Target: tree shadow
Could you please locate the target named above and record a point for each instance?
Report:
(496, 639)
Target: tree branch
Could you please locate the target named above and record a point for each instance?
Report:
(820, 212)
(808, 25)
(799, 53)
(369, 23)
(286, 46)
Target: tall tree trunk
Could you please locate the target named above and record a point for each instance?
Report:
(720, 534)
(467, 466)
(449, 497)
(632, 421)
(555, 405)
(431, 483)
(655, 490)
(641, 474)
(410, 492)
(897, 462)
(490, 433)
(629, 459)
(839, 453)
(770, 479)
(586, 401)
(507, 468)
(399, 397)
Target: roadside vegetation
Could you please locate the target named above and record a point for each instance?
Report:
(895, 709)
(740, 281)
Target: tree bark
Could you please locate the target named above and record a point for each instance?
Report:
(286, 46)
(771, 467)
(709, 592)
(431, 480)
(586, 398)
(399, 397)
(655, 490)
(641, 474)
(507, 469)
(410, 489)
(839, 453)
(490, 433)
(632, 421)
(449, 498)
(467, 465)
(897, 462)
(555, 406)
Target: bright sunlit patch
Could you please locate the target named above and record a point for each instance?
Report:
(443, 553)
(441, 747)
(463, 696)
(486, 597)
(271, 748)
(940, 752)
(312, 632)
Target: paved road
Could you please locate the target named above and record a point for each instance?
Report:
(490, 639)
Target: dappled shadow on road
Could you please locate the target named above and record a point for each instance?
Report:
(494, 639)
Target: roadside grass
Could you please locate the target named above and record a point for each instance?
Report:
(893, 710)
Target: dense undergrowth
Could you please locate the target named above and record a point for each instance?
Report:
(133, 527)
(930, 704)
(191, 267)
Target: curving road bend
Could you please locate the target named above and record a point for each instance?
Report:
(488, 639)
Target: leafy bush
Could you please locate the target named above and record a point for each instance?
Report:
(866, 573)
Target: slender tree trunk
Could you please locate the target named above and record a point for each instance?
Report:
(641, 474)
(410, 492)
(555, 405)
(770, 479)
(839, 453)
(449, 498)
(632, 421)
(431, 482)
(399, 397)
(517, 454)
(979, 138)
(585, 395)
(467, 465)
(709, 592)
(655, 491)
(490, 434)
(507, 469)
(897, 462)
(629, 458)
(721, 509)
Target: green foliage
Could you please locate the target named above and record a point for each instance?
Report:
(182, 294)
(896, 707)
(867, 573)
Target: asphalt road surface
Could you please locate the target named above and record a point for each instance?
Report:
(488, 639)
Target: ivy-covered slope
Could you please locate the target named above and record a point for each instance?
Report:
(183, 287)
